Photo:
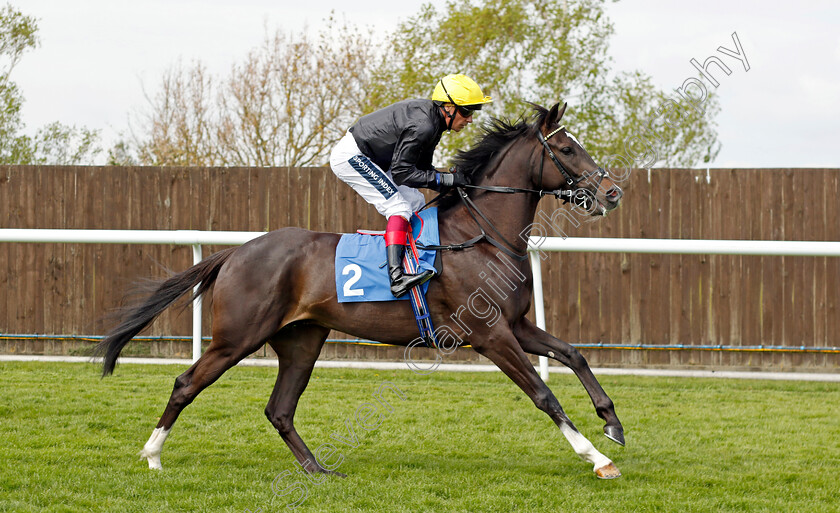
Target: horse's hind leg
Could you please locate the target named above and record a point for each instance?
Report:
(220, 356)
(533, 340)
(297, 348)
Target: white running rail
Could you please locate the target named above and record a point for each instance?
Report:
(197, 238)
(194, 238)
(662, 246)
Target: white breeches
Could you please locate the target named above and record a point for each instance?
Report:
(377, 187)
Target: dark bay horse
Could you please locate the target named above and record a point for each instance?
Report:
(279, 289)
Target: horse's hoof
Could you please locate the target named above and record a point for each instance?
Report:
(153, 459)
(609, 471)
(616, 434)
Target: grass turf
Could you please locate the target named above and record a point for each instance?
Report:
(458, 442)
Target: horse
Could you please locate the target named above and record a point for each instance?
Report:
(279, 289)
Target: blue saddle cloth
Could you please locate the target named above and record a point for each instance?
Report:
(361, 272)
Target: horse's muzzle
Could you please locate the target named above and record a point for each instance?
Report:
(613, 196)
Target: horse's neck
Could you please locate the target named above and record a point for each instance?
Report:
(510, 214)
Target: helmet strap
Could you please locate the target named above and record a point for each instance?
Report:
(450, 115)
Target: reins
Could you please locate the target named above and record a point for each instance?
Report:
(472, 207)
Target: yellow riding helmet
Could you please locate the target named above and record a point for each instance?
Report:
(460, 90)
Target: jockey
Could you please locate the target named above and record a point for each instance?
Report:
(387, 155)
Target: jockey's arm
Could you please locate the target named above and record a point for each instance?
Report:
(416, 178)
(411, 164)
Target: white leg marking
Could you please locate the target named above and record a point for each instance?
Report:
(584, 448)
(151, 451)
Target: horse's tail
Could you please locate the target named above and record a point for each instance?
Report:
(140, 316)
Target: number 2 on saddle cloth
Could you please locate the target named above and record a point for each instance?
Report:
(361, 273)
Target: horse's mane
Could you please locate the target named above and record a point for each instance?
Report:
(495, 137)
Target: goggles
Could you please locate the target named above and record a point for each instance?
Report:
(466, 111)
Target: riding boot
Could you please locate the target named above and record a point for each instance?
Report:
(396, 235)
(401, 282)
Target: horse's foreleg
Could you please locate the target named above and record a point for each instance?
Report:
(506, 353)
(297, 349)
(536, 341)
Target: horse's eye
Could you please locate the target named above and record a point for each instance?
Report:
(566, 151)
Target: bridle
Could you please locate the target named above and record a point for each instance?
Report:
(574, 193)
(579, 196)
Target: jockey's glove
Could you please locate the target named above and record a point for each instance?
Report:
(453, 179)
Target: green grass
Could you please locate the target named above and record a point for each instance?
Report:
(459, 442)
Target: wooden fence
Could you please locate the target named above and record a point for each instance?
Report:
(610, 298)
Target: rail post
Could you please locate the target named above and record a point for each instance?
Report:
(539, 306)
(196, 318)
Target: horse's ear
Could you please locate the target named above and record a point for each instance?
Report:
(555, 114)
(551, 117)
(562, 111)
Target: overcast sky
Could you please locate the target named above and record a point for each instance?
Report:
(96, 56)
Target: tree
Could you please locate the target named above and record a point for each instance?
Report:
(17, 35)
(175, 130)
(121, 154)
(62, 145)
(53, 144)
(286, 104)
(544, 51)
(294, 96)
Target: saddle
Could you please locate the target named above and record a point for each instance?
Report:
(361, 272)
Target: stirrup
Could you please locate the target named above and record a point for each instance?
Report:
(400, 285)
(401, 282)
